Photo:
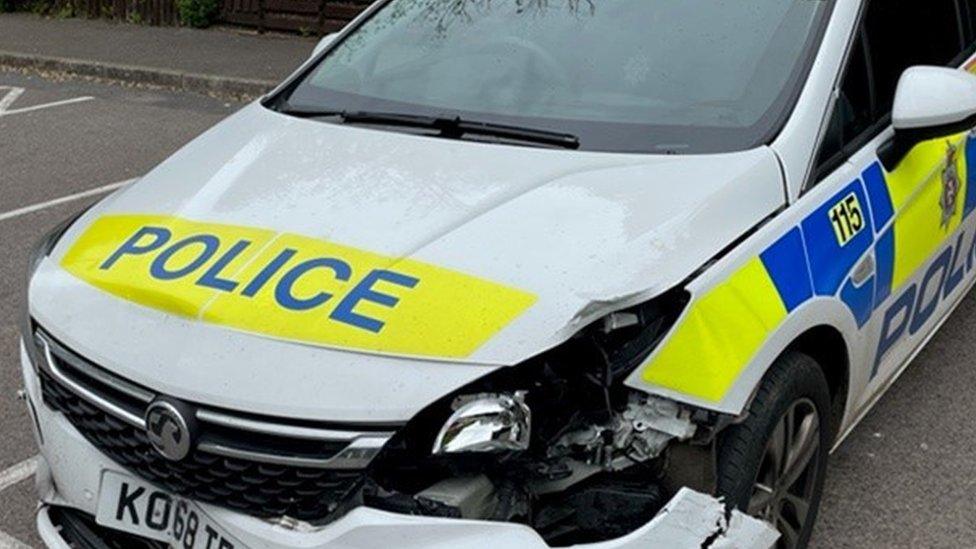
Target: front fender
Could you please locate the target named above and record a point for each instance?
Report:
(735, 399)
(790, 276)
(814, 314)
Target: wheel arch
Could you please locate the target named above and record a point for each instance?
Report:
(826, 345)
(822, 328)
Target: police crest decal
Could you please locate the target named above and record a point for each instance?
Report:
(950, 186)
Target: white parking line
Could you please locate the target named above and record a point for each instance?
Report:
(9, 542)
(13, 93)
(57, 201)
(17, 473)
(8, 98)
(9, 477)
(25, 469)
(46, 106)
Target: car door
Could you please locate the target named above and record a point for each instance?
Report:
(915, 209)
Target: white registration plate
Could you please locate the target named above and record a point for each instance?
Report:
(137, 507)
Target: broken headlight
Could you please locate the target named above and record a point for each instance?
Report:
(486, 423)
(548, 442)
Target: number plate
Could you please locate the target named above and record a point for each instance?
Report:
(137, 507)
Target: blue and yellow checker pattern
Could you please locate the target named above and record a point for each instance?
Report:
(898, 215)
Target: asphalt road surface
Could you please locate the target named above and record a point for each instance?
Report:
(906, 477)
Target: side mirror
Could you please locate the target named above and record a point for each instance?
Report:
(324, 43)
(930, 102)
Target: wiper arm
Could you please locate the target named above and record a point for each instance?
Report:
(308, 113)
(452, 128)
(518, 133)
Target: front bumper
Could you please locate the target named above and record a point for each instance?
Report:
(71, 470)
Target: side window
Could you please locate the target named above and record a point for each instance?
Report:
(968, 15)
(894, 35)
(902, 33)
(853, 113)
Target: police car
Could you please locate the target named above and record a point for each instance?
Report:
(515, 274)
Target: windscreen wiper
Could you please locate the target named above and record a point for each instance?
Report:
(451, 128)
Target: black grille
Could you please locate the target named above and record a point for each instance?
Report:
(255, 488)
(80, 530)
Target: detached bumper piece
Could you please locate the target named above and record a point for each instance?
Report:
(79, 530)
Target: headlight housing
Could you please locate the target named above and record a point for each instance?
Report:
(516, 413)
(486, 423)
(47, 243)
(546, 441)
(41, 250)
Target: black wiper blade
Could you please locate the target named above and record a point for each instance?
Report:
(458, 127)
(366, 117)
(454, 128)
(390, 119)
(309, 113)
(517, 133)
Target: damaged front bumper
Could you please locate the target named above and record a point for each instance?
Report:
(71, 470)
(690, 520)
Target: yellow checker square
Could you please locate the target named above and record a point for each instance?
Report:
(916, 189)
(719, 335)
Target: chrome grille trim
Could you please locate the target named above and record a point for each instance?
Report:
(107, 406)
(262, 490)
(355, 456)
(290, 431)
(360, 445)
(86, 368)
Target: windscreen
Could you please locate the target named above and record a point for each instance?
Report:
(675, 76)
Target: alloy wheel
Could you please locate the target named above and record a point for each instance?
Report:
(786, 482)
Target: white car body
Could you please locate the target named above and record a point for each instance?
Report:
(568, 237)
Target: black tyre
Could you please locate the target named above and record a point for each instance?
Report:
(773, 464)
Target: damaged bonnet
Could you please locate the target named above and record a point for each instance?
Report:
(398, 240)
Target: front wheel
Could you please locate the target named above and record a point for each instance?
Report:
(773, 464)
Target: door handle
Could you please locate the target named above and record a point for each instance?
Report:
(863, 271)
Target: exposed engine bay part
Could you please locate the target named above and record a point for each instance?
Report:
(471, 497)
(641, 432)
(557, 443)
